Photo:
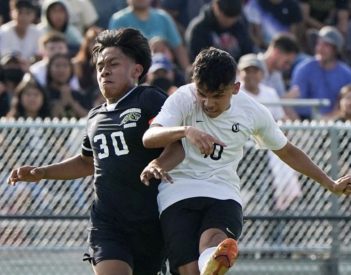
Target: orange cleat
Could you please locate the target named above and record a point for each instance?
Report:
(222, 259)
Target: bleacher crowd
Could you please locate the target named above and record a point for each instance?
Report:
(291, 49)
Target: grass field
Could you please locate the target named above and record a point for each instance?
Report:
(58, 262)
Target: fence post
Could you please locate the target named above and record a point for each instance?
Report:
(331, 265)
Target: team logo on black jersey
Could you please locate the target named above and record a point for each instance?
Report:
(235, 127)
(130, 117)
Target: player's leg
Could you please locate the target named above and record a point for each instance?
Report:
(222, 225)
(112, 267)
(148, 248)
(181, 223)
(109, 246)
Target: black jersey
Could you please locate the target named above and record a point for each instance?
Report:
(114, 139)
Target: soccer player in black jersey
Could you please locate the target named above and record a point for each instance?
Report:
(124, 237)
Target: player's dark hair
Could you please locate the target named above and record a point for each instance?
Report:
(130, 41)
(286, 43)
(214, 69)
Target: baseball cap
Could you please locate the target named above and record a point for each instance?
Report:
(250, 60)
(332, 36)
(160, 61)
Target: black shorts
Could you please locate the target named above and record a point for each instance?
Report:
(138, 244)
(184, 222)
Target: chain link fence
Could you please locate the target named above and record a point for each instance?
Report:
(292, 225)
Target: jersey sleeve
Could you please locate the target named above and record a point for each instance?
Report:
(86, 147)
(152, 100)
(176, 108)
(268, 135)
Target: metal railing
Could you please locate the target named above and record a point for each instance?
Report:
(300, 223)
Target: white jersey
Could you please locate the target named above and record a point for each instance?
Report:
(214, 176)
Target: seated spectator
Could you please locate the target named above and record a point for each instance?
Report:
(152, 22)
(322, 76)
(82, 14)
(4, 11)
(160, 45)
(30, 100)
(220, 24)
(183, 11)
(268, 18)
(13, 69)
(20, 35)
(105, 9)
(319, 13)
(161, 73)
(56, 17)
(4, 96)
(279, 58)
(64, 101)
(84, 68)
(251, 73)
(344, 107)
(51, 43)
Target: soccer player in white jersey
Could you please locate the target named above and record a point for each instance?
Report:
(200, 212)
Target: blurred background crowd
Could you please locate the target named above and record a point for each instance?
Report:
(285, 49)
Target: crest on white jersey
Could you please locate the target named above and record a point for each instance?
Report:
(235, 127)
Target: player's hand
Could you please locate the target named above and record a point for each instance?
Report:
(203, 141)
(26, 173)
(343, 186)
(153, 170)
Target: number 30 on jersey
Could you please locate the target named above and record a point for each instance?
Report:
(118, 141)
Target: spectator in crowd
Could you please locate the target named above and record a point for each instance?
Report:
(4, 11)
(82, 14)
(13, 69)
(64, 101)
(285, 180)
(344, 106)
(220, 24)
(4, 96)
(152, 22)
(56, 17)
(183, 11)
(270, 17)
(84, 68)
(323, 75)
(161, 73)
(160, 45)
(319, 13)
(124, 235)
(278, 59)
(20, 35)
(51, 43)
(105, 9)
(201, 213)
(30, 100)
(251, 72)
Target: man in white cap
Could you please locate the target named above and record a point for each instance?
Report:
(323, 75)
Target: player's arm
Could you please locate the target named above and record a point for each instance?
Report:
(298, 160)
(170, 157)
(72, 168)
(158, 136)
